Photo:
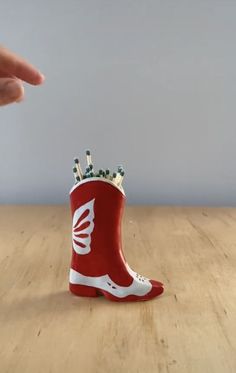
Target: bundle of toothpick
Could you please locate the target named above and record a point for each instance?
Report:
(115, 177)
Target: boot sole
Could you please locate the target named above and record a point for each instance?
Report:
(89, 291)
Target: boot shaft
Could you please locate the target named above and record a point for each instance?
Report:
(97, 207)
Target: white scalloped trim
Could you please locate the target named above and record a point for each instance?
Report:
(90, 180)
(138, 287)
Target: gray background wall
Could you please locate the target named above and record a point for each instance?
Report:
(150, 84)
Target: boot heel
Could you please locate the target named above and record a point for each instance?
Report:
(83, 290)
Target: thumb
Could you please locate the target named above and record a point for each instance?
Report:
(11, 90)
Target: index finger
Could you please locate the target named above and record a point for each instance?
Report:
(14, 65)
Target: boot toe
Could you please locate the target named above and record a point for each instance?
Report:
(157, 289)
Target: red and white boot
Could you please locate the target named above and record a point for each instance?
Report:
(98, 266)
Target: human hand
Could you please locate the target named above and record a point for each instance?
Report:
(13, 71)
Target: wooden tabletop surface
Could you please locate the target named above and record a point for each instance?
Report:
(191, 328)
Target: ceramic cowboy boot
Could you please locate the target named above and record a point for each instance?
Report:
(98, 266)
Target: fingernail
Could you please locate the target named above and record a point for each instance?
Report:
(42, 77)
(12, 90)
(21, 98)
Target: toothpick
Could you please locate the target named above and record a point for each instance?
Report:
(122, 173)
(89, 158)
(114, 175)
(107, 174)
(75, 173)
(119, 168)
(79, 170)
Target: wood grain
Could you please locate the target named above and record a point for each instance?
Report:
(191, 328)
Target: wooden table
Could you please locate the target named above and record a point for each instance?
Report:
(191, 328)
